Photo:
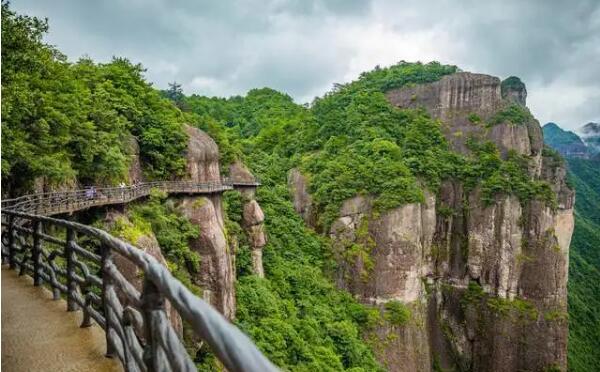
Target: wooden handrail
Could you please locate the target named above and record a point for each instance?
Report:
(80, 267)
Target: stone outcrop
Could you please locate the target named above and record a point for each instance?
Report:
(202, 157)
(134, 173)
(513, 90)
(216, 275)
(252, 215)
(457, 98)
(298, 186)
(433, 256)
(41, 185)
(253, 222)
(239, 173)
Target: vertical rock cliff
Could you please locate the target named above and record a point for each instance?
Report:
(217, 274)
(485, 282)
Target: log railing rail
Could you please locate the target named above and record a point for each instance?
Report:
(78, 262)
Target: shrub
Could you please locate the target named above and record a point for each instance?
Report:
(397, 313)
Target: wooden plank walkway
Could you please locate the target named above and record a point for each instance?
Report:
(39, 335)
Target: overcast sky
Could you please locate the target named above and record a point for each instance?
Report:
(302, 47)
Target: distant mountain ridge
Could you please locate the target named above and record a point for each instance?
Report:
(582, 144)
(567, 143)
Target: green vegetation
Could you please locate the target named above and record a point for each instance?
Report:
(351, 141)
(397, 313)
(295, 314)
(513, 114)
(158, 216)
(555, 137)
(474, 118)
(584, 268)
(584, 255)
(516, 308)
(63, 121)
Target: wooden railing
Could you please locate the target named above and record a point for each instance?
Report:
(77, 262)
(47, 204)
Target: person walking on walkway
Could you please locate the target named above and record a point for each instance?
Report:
(122, 187)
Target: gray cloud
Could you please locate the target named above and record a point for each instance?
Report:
(303, 47)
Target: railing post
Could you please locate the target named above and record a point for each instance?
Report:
(11, 242)
(36, 252)
(107, 285)
(153, 303)
(71, 283)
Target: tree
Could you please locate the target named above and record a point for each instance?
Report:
(175, 94)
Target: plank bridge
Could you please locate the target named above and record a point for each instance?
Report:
(76, 263)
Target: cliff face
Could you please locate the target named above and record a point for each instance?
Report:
(455, 98)
(216, 275)
(217, 251)
(486, 283)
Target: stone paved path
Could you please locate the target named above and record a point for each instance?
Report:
(38, 334)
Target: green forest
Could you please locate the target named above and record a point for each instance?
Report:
(584, 267)
(71, 123)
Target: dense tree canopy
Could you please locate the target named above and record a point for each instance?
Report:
(65, 121)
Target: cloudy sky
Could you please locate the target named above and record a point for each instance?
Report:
(226, 47)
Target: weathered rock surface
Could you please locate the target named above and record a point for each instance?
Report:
(253, 222)
(386, 258)
(202, 157)
(455, 98)
(216, 275)
(134, 173)
(238, 172)
(41, 185)
(426, 255)
(298, 186)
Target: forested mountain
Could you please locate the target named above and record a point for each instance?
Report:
(584, 260)
(391, 232)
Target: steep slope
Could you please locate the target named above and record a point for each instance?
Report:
(584, 268)
(455, 231)
(584, 260)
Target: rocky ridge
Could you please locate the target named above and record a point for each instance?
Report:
(486, 283)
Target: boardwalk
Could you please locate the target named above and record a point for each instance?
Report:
(39, 335)
(46, 204)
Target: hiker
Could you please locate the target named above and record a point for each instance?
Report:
(122, 187)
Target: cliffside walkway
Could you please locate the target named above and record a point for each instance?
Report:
(47, 204)
(76, 263)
